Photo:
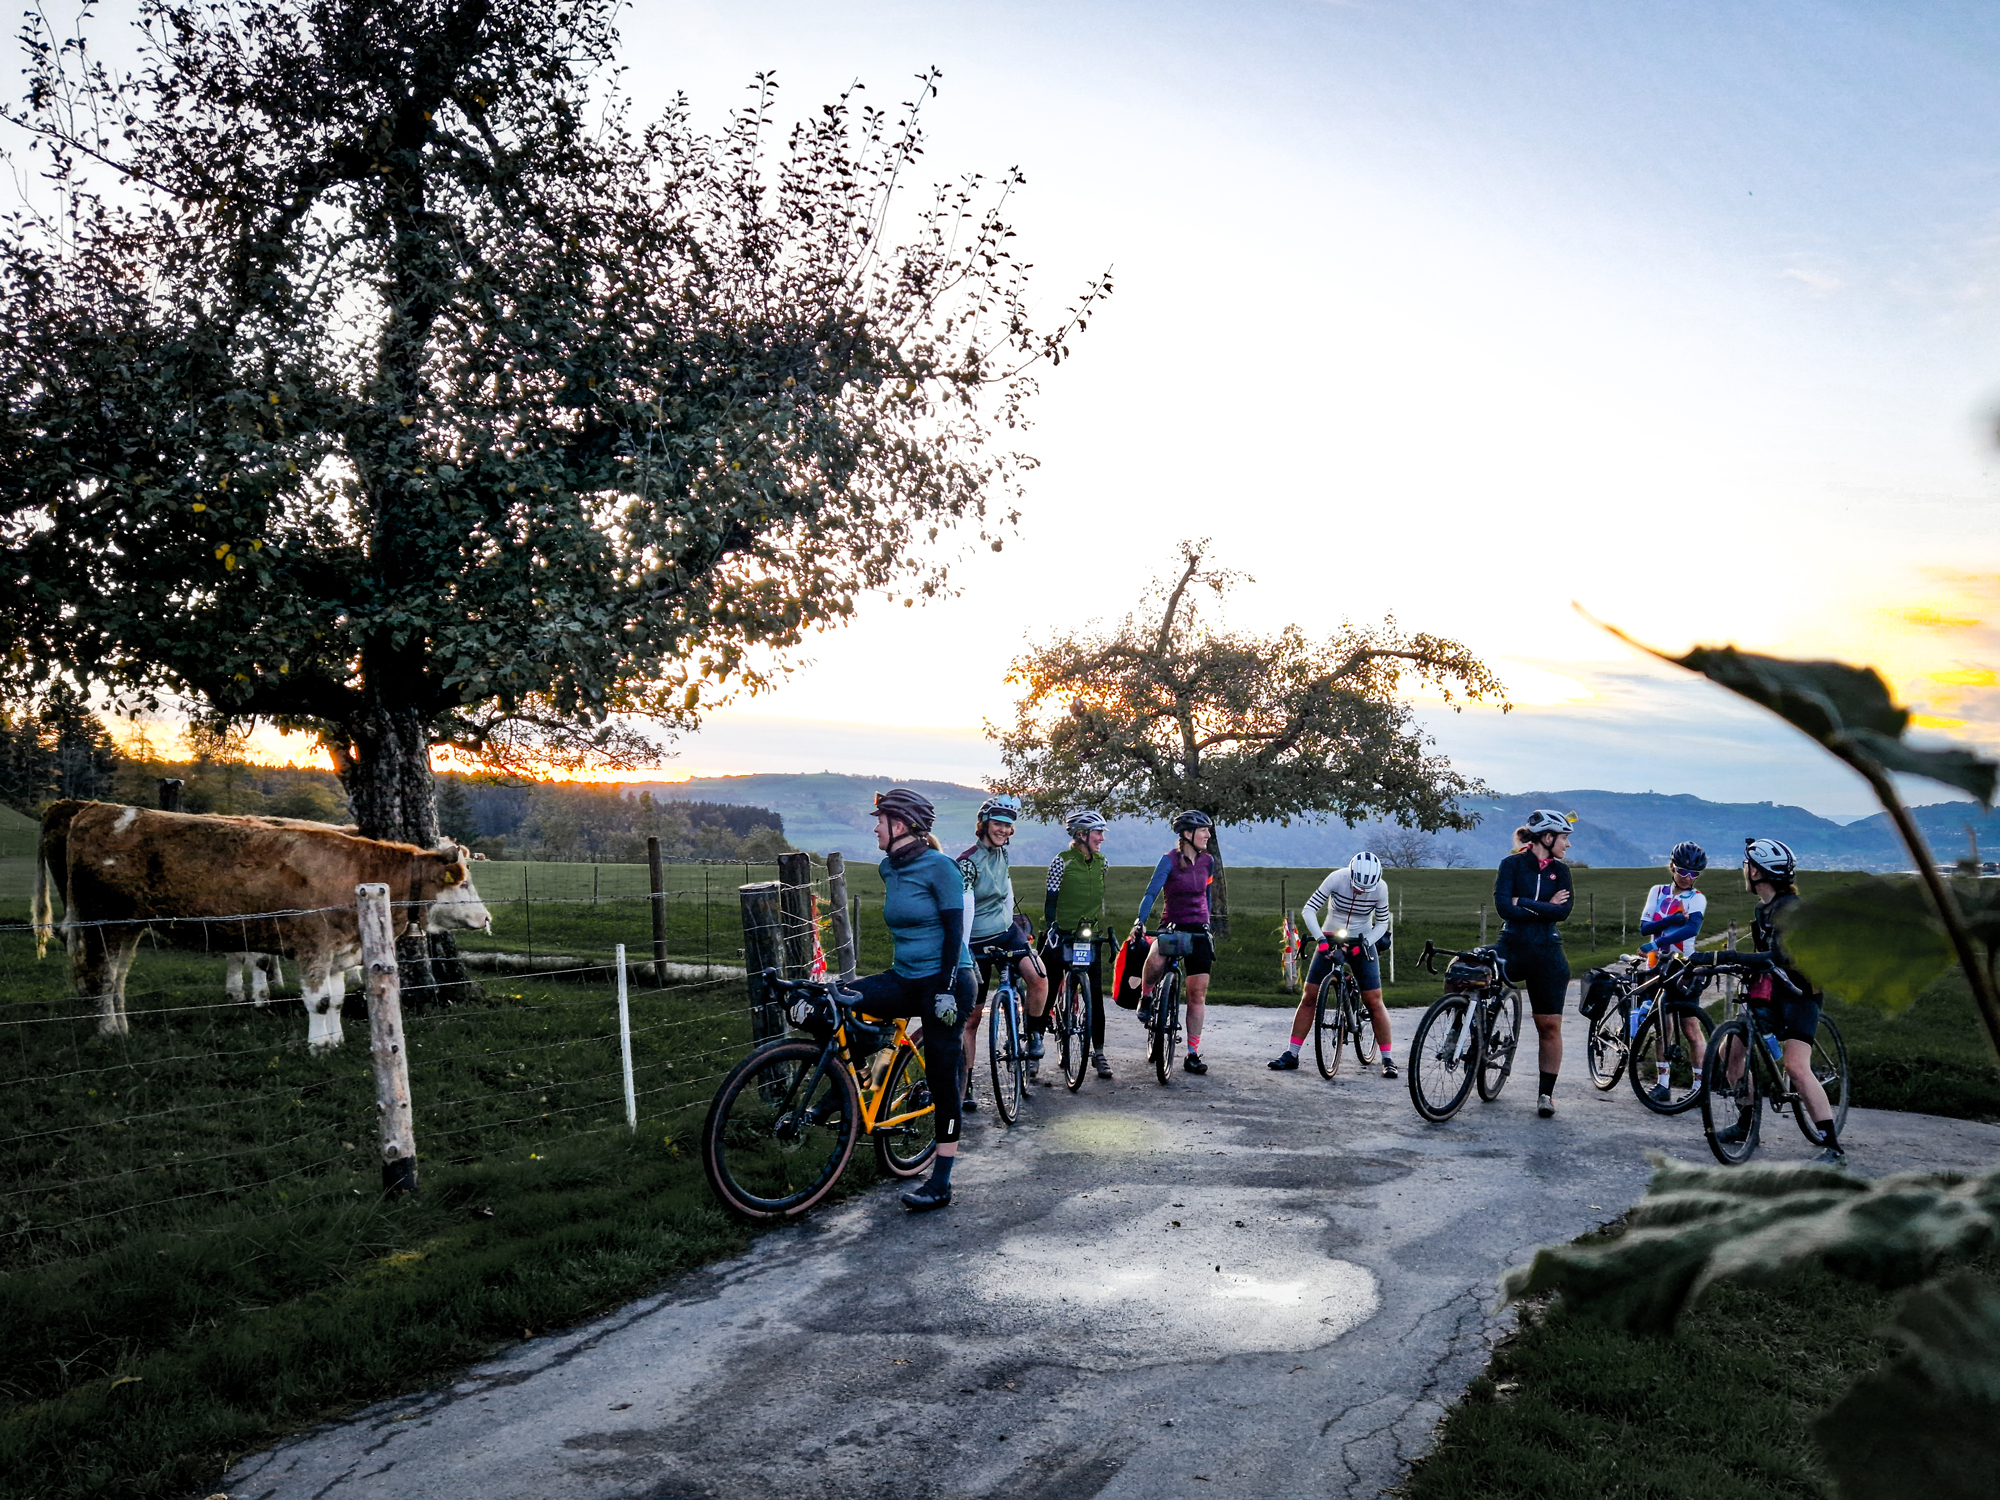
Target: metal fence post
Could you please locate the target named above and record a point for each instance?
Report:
(625, 1043)
(837, 913)
(1482, 924)
(395, 1121)
(763, 948)
(659, 888)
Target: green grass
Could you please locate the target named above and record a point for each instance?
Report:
(1568, 1410)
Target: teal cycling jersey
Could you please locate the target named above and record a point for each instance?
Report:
(985, 870)
(917, 894)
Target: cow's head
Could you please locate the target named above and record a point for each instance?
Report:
(446, 884)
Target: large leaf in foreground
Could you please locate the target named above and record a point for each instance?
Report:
(1928, 1423)
(1871, 942)
(1698, 1225)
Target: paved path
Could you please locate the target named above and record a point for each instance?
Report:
(1250, 1284)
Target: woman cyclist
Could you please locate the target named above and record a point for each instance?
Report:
(1670, 921)
(1532, 894)
(998, 935)
(1183, 874)
(1353, 897)
(923, 903)
(1075, 897)
(1784, 998)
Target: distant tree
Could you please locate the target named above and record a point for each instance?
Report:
(27, 764)
(766, 843)
(1169, 712)
(1453, 857)
(372, 372)
(1399, 848)
(455, 811)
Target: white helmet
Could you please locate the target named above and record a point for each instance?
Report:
(1542, 820)
(1770, 856)
(1083, 821)
(1365, 870)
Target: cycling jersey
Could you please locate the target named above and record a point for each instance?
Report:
(1672, 918)
(985, 871)
(1076, 889)
(1363, 913)
(1766, 939)
(1185, 883)
(923, 903)
(1524, 892)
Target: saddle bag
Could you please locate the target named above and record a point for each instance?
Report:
(1600, 990)
(1126, 972)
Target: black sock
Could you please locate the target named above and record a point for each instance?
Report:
(1826, 1135)
(941, 1171)
(1548, 1084)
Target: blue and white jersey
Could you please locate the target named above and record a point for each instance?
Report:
(1671, 918)
(1363, 913)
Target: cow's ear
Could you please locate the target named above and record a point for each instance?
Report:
(454, 872)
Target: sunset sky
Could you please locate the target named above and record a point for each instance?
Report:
(1689, 313)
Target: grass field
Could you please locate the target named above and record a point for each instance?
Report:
(194, 1256)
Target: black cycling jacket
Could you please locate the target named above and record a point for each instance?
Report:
(1522, 893)
(1764, 934)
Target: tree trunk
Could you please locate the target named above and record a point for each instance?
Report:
(1218, 893)
(385, 768)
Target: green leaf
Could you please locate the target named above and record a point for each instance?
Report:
(1871, 942)
(1928, 1423)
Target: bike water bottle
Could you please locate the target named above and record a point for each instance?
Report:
(1771, 1045)
(1639, 1015)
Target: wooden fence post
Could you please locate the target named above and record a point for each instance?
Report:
(659, 887)
(795, 875)
(1482, 924)
(395, 1122)
(763, 948)
(1593, 921)
(836, 899)
(170, 793)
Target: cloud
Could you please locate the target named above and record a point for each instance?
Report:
(1820, 283)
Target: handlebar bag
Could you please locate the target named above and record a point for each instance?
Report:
(1600, 988)
(1175, 944)
(1125, 973)
(1464, 976)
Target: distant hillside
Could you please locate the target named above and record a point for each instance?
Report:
(1614, 829)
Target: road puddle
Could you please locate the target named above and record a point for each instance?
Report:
(1104, 1134)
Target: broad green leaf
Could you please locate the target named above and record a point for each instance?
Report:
(1870, 942)
(1927, 1423)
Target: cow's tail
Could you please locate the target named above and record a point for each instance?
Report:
(51, 856)
(40, 908)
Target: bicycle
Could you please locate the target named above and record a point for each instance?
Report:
(1609, 1040)
(1657, 1009)
(1006, 1057)
(1469, 1035)
(1339, 1021)
(1164, 1026)
(783, 1126)
(1745, 1066)
(1070, 1005)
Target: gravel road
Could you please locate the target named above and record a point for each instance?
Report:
(1251, 1284)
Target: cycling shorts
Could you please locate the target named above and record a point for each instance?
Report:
(1790, 1018)
(884, 996)
(1540, 968)
(1006, 948)
(1360, 957)
(1201, 958)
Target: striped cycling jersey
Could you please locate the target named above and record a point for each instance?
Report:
(1364, 913)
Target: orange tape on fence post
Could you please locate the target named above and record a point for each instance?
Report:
(395, 1121)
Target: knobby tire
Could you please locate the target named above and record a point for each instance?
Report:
(905, 1150)
(1003, 1053)
(1079, 999)
(1725, 1103)
(1437, 1087)
(770, 1151)
(1660, 1034)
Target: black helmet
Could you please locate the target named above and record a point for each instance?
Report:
(1770, 856)
(1193, 818)
(1688, 858)
(912, 809)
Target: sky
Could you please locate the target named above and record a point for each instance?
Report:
(1467, 312)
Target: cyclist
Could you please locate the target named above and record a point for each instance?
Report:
(1354, 897)
(923, 904)
(1183, 874)
(1075, 897)
(1786, 1003)
(998, 935)
(1670, 921)
(1532, 894)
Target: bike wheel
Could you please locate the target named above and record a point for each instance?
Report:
(1829, 1065)
(780, 1130)
(1360, 1030)
(1730, 1093)
(1662, 1042)
(1604, 1048)
(1078, 997)
(1442, 1054)
(1003, 1053)
(904, 1147)
(1498, 1046)
(1328, 1036)
(1166, 1024)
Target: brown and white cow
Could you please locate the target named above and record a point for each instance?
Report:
(229, 885)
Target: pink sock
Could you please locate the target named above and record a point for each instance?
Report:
(1194, 1042)
(1298, 1042)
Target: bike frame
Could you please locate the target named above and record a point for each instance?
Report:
(871, 1092)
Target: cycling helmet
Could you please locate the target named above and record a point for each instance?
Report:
(1542, 821)
(1192, 819)
(912, 809)
(1083, 821)
(1688, 859)
(1365, 870)
(1770, 856)
(1004, 808)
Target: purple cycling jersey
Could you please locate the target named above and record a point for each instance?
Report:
(1185, 886)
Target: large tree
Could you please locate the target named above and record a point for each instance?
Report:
(369, 369)
(1171, 711)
